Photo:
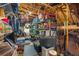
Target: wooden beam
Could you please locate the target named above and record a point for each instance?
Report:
(70, 27)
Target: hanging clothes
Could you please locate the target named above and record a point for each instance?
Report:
(14, 23)
(5, 20)
(36, 20)
(14, 7)
(34, 28)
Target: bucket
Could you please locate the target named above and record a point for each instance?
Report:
(29, 49)
(52, 53)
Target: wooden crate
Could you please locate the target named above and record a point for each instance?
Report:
(7, 50)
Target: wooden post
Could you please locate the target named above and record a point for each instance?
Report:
(67, 37)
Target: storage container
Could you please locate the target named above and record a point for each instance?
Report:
(29, 49)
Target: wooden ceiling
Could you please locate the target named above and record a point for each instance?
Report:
(61, 10)
(37, 8)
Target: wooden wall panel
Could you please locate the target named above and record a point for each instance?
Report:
(2, 14)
